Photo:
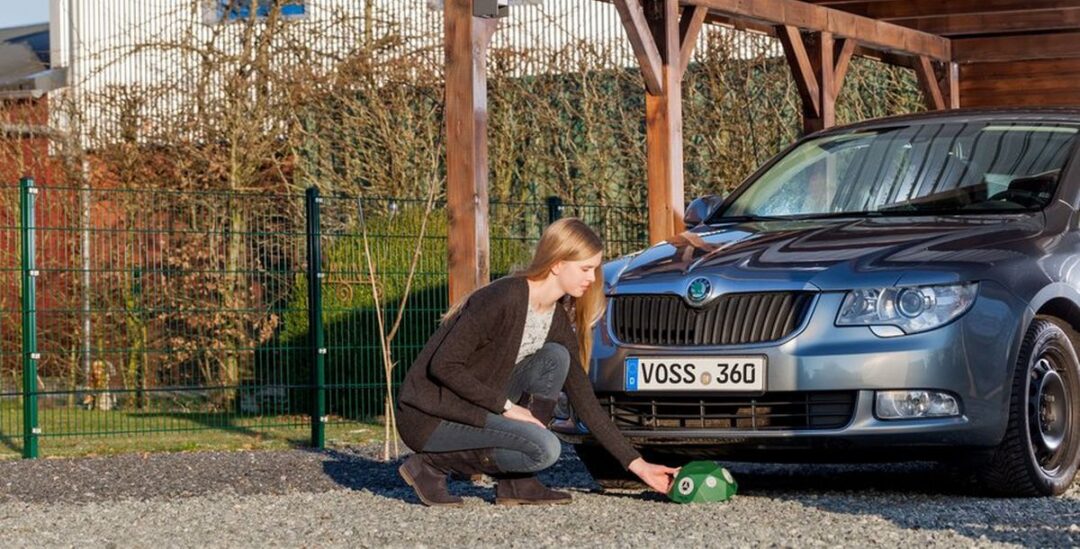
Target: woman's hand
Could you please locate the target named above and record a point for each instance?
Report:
(658, 477)
(522, 413)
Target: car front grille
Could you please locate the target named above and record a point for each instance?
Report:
(731, 319)
(796, 410)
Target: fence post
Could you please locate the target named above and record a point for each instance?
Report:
(31, 430)
(555, 207)
(317, 348)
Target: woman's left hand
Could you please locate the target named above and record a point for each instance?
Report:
(658, 477)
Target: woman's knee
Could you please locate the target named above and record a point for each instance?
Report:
(543, 451)
(558, 355)
(550, 449)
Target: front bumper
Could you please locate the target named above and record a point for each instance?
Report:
(972, 358)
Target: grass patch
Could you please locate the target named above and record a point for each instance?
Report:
(71, 432)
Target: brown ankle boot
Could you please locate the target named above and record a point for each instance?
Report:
(428, 480)
(525, 488)
(466, 462)
(542, 408)
(466, 478)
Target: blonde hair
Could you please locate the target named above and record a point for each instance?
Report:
(568, 239)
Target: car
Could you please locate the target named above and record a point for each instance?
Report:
(906, 288)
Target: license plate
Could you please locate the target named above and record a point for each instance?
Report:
(733, 373)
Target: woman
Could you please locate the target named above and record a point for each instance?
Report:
(479, 396)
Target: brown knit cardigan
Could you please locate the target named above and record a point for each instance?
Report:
(463, 372)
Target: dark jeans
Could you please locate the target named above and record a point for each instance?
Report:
(519, 447)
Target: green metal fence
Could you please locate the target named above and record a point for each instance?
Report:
(139, 313)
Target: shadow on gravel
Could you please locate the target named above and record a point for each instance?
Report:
(916, 496)
(905, 478)
(381, 478)
(364, 473)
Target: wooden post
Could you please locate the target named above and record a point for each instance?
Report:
(466, 41)
(950, 84)
(663, 126)
(819, 64)
(663, 36)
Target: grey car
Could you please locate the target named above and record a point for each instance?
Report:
(906, 288)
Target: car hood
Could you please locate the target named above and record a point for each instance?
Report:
(831, 254)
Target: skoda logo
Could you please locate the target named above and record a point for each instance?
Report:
(699, 290)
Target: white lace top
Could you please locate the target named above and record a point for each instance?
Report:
(535, 332)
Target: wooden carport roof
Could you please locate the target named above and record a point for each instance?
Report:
(964, 53)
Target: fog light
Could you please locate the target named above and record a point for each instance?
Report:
(915, 404)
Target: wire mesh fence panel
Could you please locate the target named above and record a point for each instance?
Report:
(384, 281)
(163, 311)
(157, 310)
(516, 228)
(11, 417)
(623, 228)
(398, 247)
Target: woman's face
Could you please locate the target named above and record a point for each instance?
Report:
(576, 276)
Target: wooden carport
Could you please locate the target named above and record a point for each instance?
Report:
(964, 53)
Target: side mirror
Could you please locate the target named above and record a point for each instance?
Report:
(701, 209)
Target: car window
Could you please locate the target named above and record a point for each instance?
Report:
(933, 168)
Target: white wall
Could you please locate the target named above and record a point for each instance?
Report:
(102, 42)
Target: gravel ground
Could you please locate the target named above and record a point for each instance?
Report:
(349, 498)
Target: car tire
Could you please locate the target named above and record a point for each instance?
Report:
(605, 469)
(1039, 453)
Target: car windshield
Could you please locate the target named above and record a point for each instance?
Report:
(953, 168)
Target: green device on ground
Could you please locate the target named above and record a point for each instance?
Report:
(701, 482)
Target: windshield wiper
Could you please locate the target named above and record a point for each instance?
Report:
(794, 217)
(743, 218)
(833, 215)
(820, 215)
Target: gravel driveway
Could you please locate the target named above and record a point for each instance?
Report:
(349, 498)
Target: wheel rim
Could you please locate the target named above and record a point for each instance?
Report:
(1049, 413)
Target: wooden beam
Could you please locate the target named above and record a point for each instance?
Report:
(802, 70)
(663, 126)
(690, 23)
(466, 43)
(866, 31)
(896, 59)
(998, 22)
(928, 82)
(892, 10)
(741, 24)
(642, 43)
(845, 50)
(835, 3)
(819, 63)
(1017, 48)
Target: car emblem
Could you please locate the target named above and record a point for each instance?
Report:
(699, 290)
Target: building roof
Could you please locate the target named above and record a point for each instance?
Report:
(36, 37)
(25, 68)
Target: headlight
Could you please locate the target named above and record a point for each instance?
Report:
(912, 309)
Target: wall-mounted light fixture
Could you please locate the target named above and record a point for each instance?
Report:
(488, 9)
